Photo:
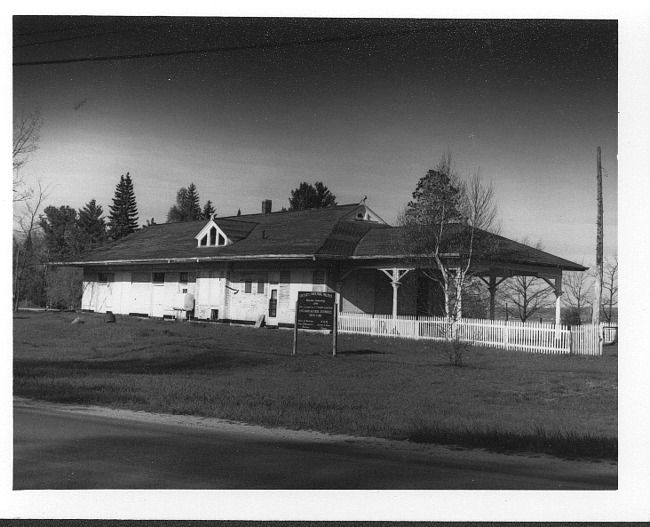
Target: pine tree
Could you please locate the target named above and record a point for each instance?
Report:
(436, 199)
(208, 210)
(92, 227)
(123, 217)
(187, 207)
(194, 205)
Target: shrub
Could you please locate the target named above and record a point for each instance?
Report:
(64, 288)
(571, 316)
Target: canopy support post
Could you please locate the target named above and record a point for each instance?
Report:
(395, 274)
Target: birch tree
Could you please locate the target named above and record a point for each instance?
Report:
(441, 228)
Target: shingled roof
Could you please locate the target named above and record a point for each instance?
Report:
(327, 233)
(332, 231)
(493, 249)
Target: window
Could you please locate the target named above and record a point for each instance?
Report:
(319, 277)
(285, 277)
(158, 278)
(248, 286)
(106, 277)
(183, 278)
(211, 236)
(260, 288)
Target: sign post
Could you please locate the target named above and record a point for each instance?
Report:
(316, 311)
(295, 333)
(335, 331)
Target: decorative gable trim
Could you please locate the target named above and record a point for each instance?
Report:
(212, 236)
(364, 213)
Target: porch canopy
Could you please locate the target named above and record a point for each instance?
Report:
(490, 257)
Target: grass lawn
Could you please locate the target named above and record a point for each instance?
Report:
(390, 388)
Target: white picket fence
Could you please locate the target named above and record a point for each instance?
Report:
(529, 336)
(610, 332)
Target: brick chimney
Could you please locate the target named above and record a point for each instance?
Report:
(267, 204)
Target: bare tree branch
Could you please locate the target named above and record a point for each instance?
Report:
(578, 288)
(610, 287)
(26, 136)
(527, 294)
(26, 258)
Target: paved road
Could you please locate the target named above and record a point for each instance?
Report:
(60, 449)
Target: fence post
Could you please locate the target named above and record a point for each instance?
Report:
(505, 335)
(570, 341)
(601, 337)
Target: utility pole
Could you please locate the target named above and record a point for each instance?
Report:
(598, 286)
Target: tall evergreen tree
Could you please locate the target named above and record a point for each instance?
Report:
(92, 227)
(437, 198)
(208, 210)
(187, 207)
(123, 217)
(194, 204)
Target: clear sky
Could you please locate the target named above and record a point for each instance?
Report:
(366, 106)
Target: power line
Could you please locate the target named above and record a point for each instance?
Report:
(306, 42)
(91, 35)
(45, 31)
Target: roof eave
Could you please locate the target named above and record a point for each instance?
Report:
(193, 259)
(570, 267)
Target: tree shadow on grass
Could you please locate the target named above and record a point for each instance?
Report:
(361, 352)
(201, 362)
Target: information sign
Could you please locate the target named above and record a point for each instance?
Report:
(315, 310)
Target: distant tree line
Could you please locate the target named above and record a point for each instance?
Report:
(61, 233)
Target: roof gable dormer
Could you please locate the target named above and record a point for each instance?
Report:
(212, 236)
(363, 213)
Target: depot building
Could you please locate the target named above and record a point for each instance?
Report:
(250, 268)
